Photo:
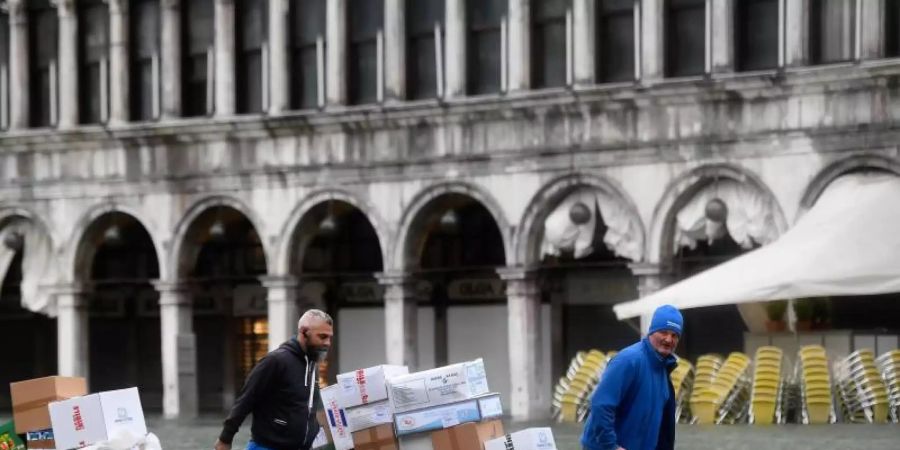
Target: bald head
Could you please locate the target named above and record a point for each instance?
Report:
(312, 318)
(314, 332)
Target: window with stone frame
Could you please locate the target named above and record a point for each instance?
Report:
(251, 36)
(685, 31)
(831, 30)
(93, 58)
(484, 45)
(307, 27)
(43, 41)
(756, 34)
(197, 52)
(145, 41)
(366, 19)
(892, 28)
(424, 18)
(4, 68)
(615, 40)
(548, 43)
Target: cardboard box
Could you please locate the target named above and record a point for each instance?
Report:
(446, 416)
(468, 436)
(528, 439)
(83, 421)
(378, 438)
(336, 418)
(323, 439)
(435, 387)
(9, 440)
(40, 440)
(31, 397)
(420, 441)
(369, 416)
(365, 386)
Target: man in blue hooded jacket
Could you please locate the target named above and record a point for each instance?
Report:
(633, 408)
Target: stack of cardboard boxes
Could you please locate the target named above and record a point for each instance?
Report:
(31, 412)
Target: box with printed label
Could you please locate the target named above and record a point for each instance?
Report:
(528, 439)
(336, 418)
(369, 416)
(83, 421)
(9, 440)
(378, 438)
(446, 416)
(31, 397)
(468, 436)
(365, 386)
(437, 387)
(40, 440)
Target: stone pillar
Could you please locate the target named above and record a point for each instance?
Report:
(722, 40)
(68, 64)
(519, 44)
(225, 68)
(652, 39)
(401, 319)
(19, 90)
(72, 331)
(524, 323)
(279, 67)
(871, 29)
(336, 58)
(170, 55)
(796, 33)
(118, 62)
(395, 49)
(455, 48)
(282, 308)
(651, 278)
(179, 351)
(584, 43)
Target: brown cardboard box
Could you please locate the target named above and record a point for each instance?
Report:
(31, 397)
(323, 422)
(378, 438)
(40, 445)
(468, 436)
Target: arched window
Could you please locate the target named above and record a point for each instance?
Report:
(197, 53)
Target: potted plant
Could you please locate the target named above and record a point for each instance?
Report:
(775, 312)
(804, 309)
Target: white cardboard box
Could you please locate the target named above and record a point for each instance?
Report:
(435, 387)
(528, 439)
(369, 416)
(337, 419)
(446, 416)
(82, 421)
(365, 386)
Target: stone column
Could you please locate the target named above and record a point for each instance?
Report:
(871, 29)
(455, 48)
(72, 331)
(519, 44)
(279, 67)
(179, 351)
(584, 43)
(401, 319)
(722, 39)
(524, 324)
(19, 65)
(336, 49)
(796, 33)
(68, 64)
(395, 49)
(170, 55)
(651, 278)
(118, 62)
(653, 49)
(225, 68)
(282, 308)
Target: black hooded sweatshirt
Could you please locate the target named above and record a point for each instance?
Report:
(280, 392)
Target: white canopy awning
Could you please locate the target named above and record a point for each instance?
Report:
(848, 243)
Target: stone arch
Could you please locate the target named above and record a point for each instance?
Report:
(417, 210)
(10, 213)
(528, 238)
(682, 189)
(842, 167)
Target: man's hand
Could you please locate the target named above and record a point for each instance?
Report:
(222, 446)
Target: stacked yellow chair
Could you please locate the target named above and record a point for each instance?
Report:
(725, 399)
(704, 374)
(814, 380)
(767, 395)
(682, 382)
(863, 394)
(572, 394)
(889, 366)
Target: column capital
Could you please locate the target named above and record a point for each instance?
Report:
(17, 10)
(280, 281)
(641, 269)
(517, 273)
(74, 289)
(169, 286)
(117, 6)
(64, 6)
(394, 278)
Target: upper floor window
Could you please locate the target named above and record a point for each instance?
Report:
(144, 90)
(892, 28)
(4, 69)
(685, 30)
(424, 29)
(831, 30)
(484, 45)
(364, 29)
(307, 18)
(197, 57)
(615, 40)
(43, 42)
(93, 48)
(548, 43)
(756, 34)
(250, 58)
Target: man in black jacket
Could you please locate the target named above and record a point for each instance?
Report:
(280, 391)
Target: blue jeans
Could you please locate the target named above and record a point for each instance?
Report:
(254, 446)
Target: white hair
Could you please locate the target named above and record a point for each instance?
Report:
(313, 316)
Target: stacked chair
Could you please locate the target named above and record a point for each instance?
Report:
(768, 399)
(863, 394)
(704, 374)
(725, 400)
(571, 398)
(683, 382)
(814, 380)
(889, 366)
